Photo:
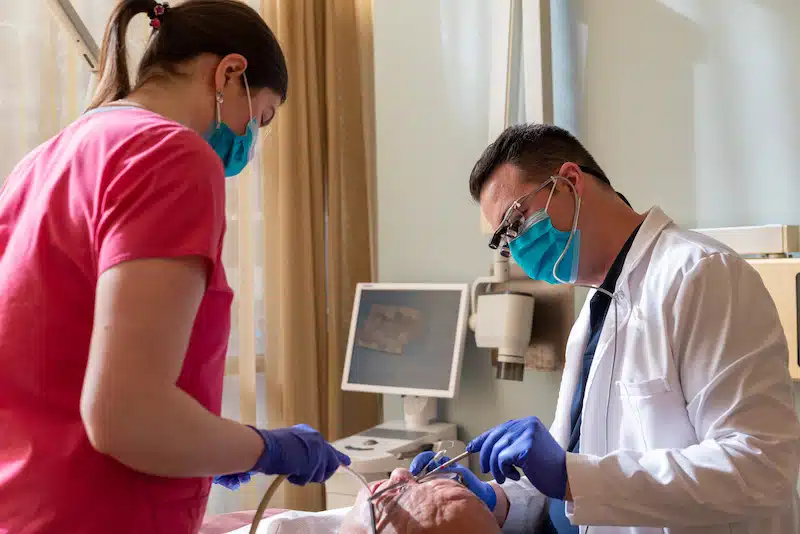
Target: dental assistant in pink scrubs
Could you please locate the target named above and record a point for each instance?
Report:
(114, 306)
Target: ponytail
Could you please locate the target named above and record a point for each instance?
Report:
(183, 32)
(115, 82)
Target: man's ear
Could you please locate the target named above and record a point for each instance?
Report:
(573, 173)
(230, 68)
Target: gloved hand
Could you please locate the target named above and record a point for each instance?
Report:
(527, 444)
(484, 491)
(300, 452)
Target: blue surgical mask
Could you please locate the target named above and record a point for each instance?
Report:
(540, 249)
(235, 151)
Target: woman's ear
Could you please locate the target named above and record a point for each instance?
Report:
(230, 68)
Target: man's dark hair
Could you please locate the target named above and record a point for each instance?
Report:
(538, 150)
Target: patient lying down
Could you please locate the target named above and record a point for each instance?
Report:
(441, 506)
(438, 506)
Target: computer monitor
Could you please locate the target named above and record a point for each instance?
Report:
(407, 339)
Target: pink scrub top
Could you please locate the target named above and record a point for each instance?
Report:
(116, 185)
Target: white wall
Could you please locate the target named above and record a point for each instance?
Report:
(432, 85)
(689, 104)
(693, 105)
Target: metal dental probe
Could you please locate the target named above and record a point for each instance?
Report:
(444, 465)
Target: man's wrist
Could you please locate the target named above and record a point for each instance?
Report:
(502, 507)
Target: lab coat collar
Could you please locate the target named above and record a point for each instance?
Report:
(654, 222)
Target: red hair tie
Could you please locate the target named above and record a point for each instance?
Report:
(158, 11)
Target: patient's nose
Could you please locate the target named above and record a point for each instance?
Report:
(401, 475)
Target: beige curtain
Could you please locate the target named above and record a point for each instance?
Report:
(318, 189)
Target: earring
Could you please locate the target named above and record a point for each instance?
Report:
(219, 114)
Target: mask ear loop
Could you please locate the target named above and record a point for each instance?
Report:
(574, 225)
(249, 100)
(255, 148)
(550, 197)
(569, 240)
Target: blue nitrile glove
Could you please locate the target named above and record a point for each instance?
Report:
(484, 491)
(527, 444)
(232, 482)
(300, 452)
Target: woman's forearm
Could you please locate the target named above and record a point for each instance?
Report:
(170, 434)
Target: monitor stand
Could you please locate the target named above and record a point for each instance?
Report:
(392, 444)
(419, 412)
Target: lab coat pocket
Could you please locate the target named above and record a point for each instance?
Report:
(644, 388)
(659, 412)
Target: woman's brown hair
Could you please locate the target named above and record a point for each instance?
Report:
(194, 27)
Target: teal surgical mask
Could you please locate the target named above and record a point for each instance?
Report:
(235, 151)
(544, 252)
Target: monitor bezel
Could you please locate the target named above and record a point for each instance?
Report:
(458, 346)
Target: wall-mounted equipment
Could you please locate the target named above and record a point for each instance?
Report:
(504, 323)
(503, 319)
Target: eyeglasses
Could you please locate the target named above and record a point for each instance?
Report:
(514, 217)
(510, 225)
(396, 489)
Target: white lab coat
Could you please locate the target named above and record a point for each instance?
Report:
(692, 427)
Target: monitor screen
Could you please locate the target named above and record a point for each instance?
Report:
(407, 339)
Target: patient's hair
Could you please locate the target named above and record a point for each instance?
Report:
(538, 150)
(186, 31)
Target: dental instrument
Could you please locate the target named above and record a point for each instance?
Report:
(425, 469)
(444, 465)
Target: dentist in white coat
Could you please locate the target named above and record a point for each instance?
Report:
(676, 412)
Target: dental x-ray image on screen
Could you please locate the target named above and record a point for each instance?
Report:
(407, 338)
(390, 328)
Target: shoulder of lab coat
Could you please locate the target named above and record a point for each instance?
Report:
(723, 331)
(526, 507)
